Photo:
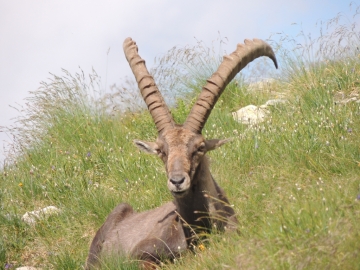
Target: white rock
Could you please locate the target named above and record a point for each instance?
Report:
(273, 102)
(33, 216)
(250, 115)
(26, 268)
(347, 100)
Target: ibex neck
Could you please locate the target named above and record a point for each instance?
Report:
(195, 207)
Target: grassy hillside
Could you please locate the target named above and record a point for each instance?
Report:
(293, 180)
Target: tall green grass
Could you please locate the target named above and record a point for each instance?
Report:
(293, 180)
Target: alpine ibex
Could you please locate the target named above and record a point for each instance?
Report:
(199, 203)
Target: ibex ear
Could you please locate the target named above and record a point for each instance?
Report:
(215, 143)
(148, 147)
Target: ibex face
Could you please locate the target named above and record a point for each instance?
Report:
(181, 150)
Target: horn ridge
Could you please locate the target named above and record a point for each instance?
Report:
(149, 91)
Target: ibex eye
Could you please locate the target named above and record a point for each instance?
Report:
(160, 152)
(201, 148)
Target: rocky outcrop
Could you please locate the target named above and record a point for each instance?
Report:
(32, 217)
(252, 115)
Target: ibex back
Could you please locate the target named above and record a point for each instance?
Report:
(199, 203)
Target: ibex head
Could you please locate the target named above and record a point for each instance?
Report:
(182, 151)
(182, 147)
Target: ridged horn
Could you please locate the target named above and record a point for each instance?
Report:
(149, 91)
(231, 65)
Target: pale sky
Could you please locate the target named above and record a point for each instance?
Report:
(42, 36)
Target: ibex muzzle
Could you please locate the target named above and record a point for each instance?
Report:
(199, 203)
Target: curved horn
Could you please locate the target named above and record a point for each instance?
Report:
(231, 65)
(149, 91)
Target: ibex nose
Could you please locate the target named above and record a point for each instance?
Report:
(177, 181)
